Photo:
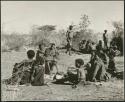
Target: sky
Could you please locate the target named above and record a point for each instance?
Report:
(19, 16)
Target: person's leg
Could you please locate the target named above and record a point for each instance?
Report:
(105, 45)
(102, 73)
(113, 64)
(47, 67)
(97, 67)
(69, 51)
(39, 78)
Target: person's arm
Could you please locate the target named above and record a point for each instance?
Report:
(21, 63)
(32, 73)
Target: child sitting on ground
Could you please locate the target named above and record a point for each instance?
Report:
(75, 75)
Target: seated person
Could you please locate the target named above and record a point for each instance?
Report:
(111, 54)
(38, 72)
(96, 70)
(88, 47)
(99, 46)
(22, 71)
(74, 75)
(102, 55)
(82, 45)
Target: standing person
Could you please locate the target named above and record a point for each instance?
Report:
(51, 57)
(40, 51)
(69, 47)
(69, 39)
(105, 39)
(68, 33)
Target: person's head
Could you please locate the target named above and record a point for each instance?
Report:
(79, 63)
(105, 31)
(52, 45)
(114, 47)
(70, 27)
(93, 43)
(30, 54)
(40, 61)
(84, 41)
(41, 46)
(87, 42)
(100, 42)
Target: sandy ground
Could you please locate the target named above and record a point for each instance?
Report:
(112, 90)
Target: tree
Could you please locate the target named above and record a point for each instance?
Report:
(84, 32)
(47, 28)
(40, 34)
(84, 23)
(118, 34)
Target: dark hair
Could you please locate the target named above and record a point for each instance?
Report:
(52, 44)
(70, 27)
(80, 61)
(30, 54)
(39, 46)
(100, 41)
(105, 30)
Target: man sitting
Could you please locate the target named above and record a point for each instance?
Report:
(96, 70)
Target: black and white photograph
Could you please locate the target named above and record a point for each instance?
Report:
(62, 50)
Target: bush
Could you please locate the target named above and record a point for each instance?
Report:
(12, 42)
(117, 35)
(83, 35)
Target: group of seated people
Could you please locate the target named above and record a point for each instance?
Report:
(32, 71)
(86, 46)
(97, 69)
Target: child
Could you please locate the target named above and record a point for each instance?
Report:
(80, 71)
(75, 75)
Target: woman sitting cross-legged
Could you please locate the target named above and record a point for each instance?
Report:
(22, 71)
(38, 72)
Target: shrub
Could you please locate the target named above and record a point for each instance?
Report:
(12, 42)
